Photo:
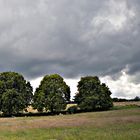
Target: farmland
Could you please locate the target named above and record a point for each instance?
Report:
(115, 124)
(126, 103)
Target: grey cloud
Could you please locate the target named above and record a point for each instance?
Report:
(72, 38)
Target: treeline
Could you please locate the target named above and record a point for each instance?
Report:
(126, 100)
(52, 95)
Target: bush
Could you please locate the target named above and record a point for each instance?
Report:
(72, 109)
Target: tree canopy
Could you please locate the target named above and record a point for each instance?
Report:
(52, 94)
(15, 93)
(92, 94)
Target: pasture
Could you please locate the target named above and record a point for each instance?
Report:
(121, 124)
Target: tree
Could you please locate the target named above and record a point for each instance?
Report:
(52, 94)
(29, 93)
(137, 98)
(39, 100)
(12, 102)
(92, 95)
(15, 93)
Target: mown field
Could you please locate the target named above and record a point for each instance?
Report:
(129, 103)
(121, 124)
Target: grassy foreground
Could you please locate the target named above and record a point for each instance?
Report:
(123, 124)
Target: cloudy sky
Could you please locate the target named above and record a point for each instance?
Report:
(73, 38)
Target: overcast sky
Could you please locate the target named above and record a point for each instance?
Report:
(73, 38)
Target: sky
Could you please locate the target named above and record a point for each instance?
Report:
(73, 38)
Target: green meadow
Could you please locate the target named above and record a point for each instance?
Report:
(119, 124)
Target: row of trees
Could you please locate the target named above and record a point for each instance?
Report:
(53, 94)
(137, 98)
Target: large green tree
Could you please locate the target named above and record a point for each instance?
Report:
(12, 102)
(52, 94)
(92, 94)
(15, 93)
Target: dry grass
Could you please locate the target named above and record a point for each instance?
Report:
(30, 109)
(70, 105)
(108, 125)
(126, 103)
(95, 119)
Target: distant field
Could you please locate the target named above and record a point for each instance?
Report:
(126, 103)
(123, 124)
(30, 109)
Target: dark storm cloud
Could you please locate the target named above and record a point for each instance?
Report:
(69, 37)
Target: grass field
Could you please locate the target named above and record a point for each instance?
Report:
(122, 124)
(127, 103)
